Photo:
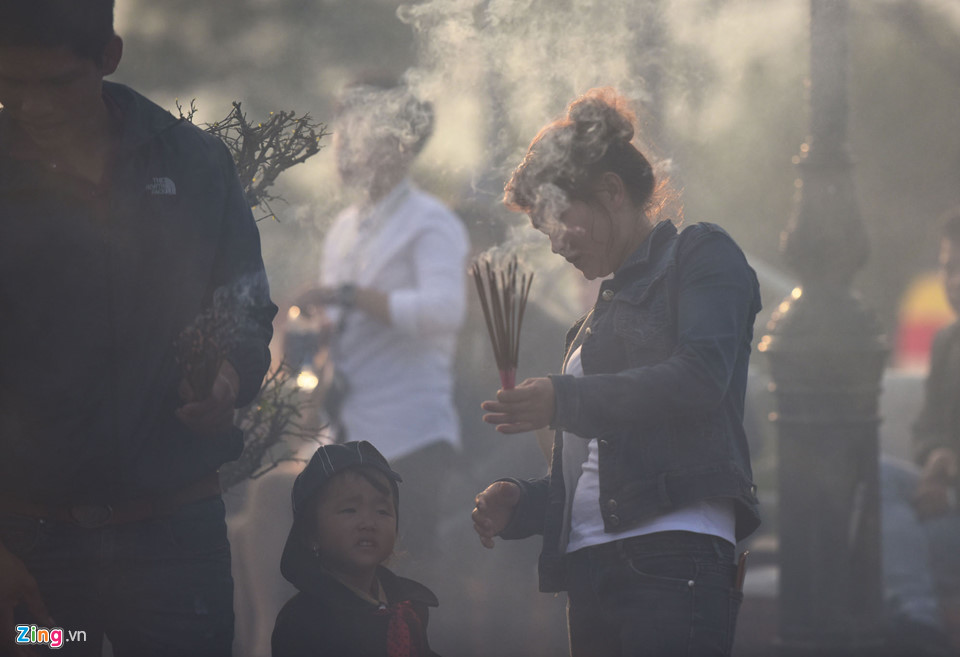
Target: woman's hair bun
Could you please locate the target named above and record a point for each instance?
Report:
(600, 118)
(595, 137)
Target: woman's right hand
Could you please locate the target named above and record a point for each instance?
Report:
(494, 509)
(528, 407)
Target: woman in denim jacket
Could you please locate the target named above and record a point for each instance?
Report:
(650, 481)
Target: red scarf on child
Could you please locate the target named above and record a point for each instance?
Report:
(404, 630)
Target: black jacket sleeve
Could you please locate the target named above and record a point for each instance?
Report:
(531, 510)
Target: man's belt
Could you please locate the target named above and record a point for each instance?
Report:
(91, 516)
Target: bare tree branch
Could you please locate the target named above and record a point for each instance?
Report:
(261, 152)
(264, 150)
(273, 417)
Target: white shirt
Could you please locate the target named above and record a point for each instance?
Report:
(713, 517)
(410, 246)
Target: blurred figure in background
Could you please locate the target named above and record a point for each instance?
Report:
(937, 441)
(920, 518)
(392, 288)
(386, 315)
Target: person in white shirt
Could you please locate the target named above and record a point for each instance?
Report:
(392, 284)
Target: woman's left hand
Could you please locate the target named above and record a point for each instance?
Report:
(527, 407)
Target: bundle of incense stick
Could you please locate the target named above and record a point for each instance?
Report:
(503, 297)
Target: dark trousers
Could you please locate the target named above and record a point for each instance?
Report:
(157, 587)
(424, 474)
(669, 593)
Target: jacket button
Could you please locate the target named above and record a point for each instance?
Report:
(588, 332)
(613, 520)
(611, 505)
(606, 295)
(604, 443)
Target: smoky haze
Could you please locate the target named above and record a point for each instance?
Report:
(720, 90)
(719, 87)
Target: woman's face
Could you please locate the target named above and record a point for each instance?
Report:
(583, 235)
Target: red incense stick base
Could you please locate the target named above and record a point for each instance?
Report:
(508, 379)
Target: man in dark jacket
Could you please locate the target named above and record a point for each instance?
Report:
(120, 226)
(936, 442)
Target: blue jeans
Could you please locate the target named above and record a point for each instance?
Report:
(921, 558)
(669, 593)
(908, 584)
(157, 587)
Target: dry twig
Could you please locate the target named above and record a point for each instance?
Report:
(273, 416)
(261, 152)
(264, 150)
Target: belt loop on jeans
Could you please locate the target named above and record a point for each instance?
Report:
(619, 547)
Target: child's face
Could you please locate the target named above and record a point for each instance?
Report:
(356, 524)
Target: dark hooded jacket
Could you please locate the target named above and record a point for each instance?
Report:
(96, 284)
(327, 619)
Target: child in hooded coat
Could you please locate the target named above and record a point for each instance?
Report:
(345, 525)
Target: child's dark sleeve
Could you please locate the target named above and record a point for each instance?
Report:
(281, 641)
(296, 634)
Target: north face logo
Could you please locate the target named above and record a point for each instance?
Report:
(162, 187)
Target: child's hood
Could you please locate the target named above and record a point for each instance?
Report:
(299, 565)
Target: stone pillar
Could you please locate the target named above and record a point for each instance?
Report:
(827, 356)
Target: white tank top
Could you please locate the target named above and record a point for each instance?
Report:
(713, 517)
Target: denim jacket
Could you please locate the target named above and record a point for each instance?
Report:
(664, 353)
